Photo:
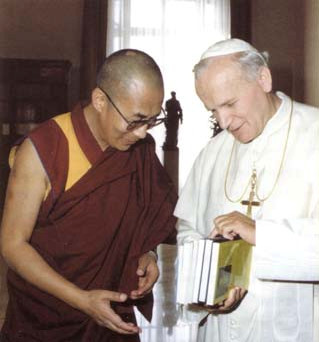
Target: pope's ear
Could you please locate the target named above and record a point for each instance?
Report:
(265, 79)
(98, 99)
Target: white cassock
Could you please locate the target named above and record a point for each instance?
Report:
(282, 301)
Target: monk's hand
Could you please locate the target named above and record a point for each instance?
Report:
(148, 273)
(233, 224)
(98, 306)
(233, 300)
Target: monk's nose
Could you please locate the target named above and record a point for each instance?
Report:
(141, 132)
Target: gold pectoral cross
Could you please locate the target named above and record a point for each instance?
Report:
(250, 202)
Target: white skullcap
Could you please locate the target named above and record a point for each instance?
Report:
(227, 47)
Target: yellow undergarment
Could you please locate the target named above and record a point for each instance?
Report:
(78, 162)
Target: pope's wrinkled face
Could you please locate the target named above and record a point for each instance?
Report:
(142, 103)
(239, 104)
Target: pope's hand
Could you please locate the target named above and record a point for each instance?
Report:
(234, 298)
(148, 273)
(233, 224)
(98, 306)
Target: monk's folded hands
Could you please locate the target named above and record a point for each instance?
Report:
(148, 274)
(98, 306)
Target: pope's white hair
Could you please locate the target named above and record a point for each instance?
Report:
(251, 62)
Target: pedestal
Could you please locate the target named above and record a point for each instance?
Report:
(171, 163)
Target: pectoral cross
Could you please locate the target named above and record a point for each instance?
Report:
(250, 202)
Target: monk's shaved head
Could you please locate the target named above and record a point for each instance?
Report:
(123, 70)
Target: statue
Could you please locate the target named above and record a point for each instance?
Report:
(174, 115)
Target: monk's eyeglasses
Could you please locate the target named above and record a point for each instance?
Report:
(132, 125)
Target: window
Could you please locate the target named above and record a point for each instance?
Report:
(174, 33)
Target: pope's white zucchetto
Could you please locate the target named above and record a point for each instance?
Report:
(227, 47)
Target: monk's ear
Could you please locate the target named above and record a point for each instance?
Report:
(265, 79)
(98, 99)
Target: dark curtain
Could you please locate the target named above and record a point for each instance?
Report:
(241, 19)
(93, 44)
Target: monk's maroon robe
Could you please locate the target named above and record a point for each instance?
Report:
(92, 234)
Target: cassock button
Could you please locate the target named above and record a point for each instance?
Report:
(233, 322)
(232, 336)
